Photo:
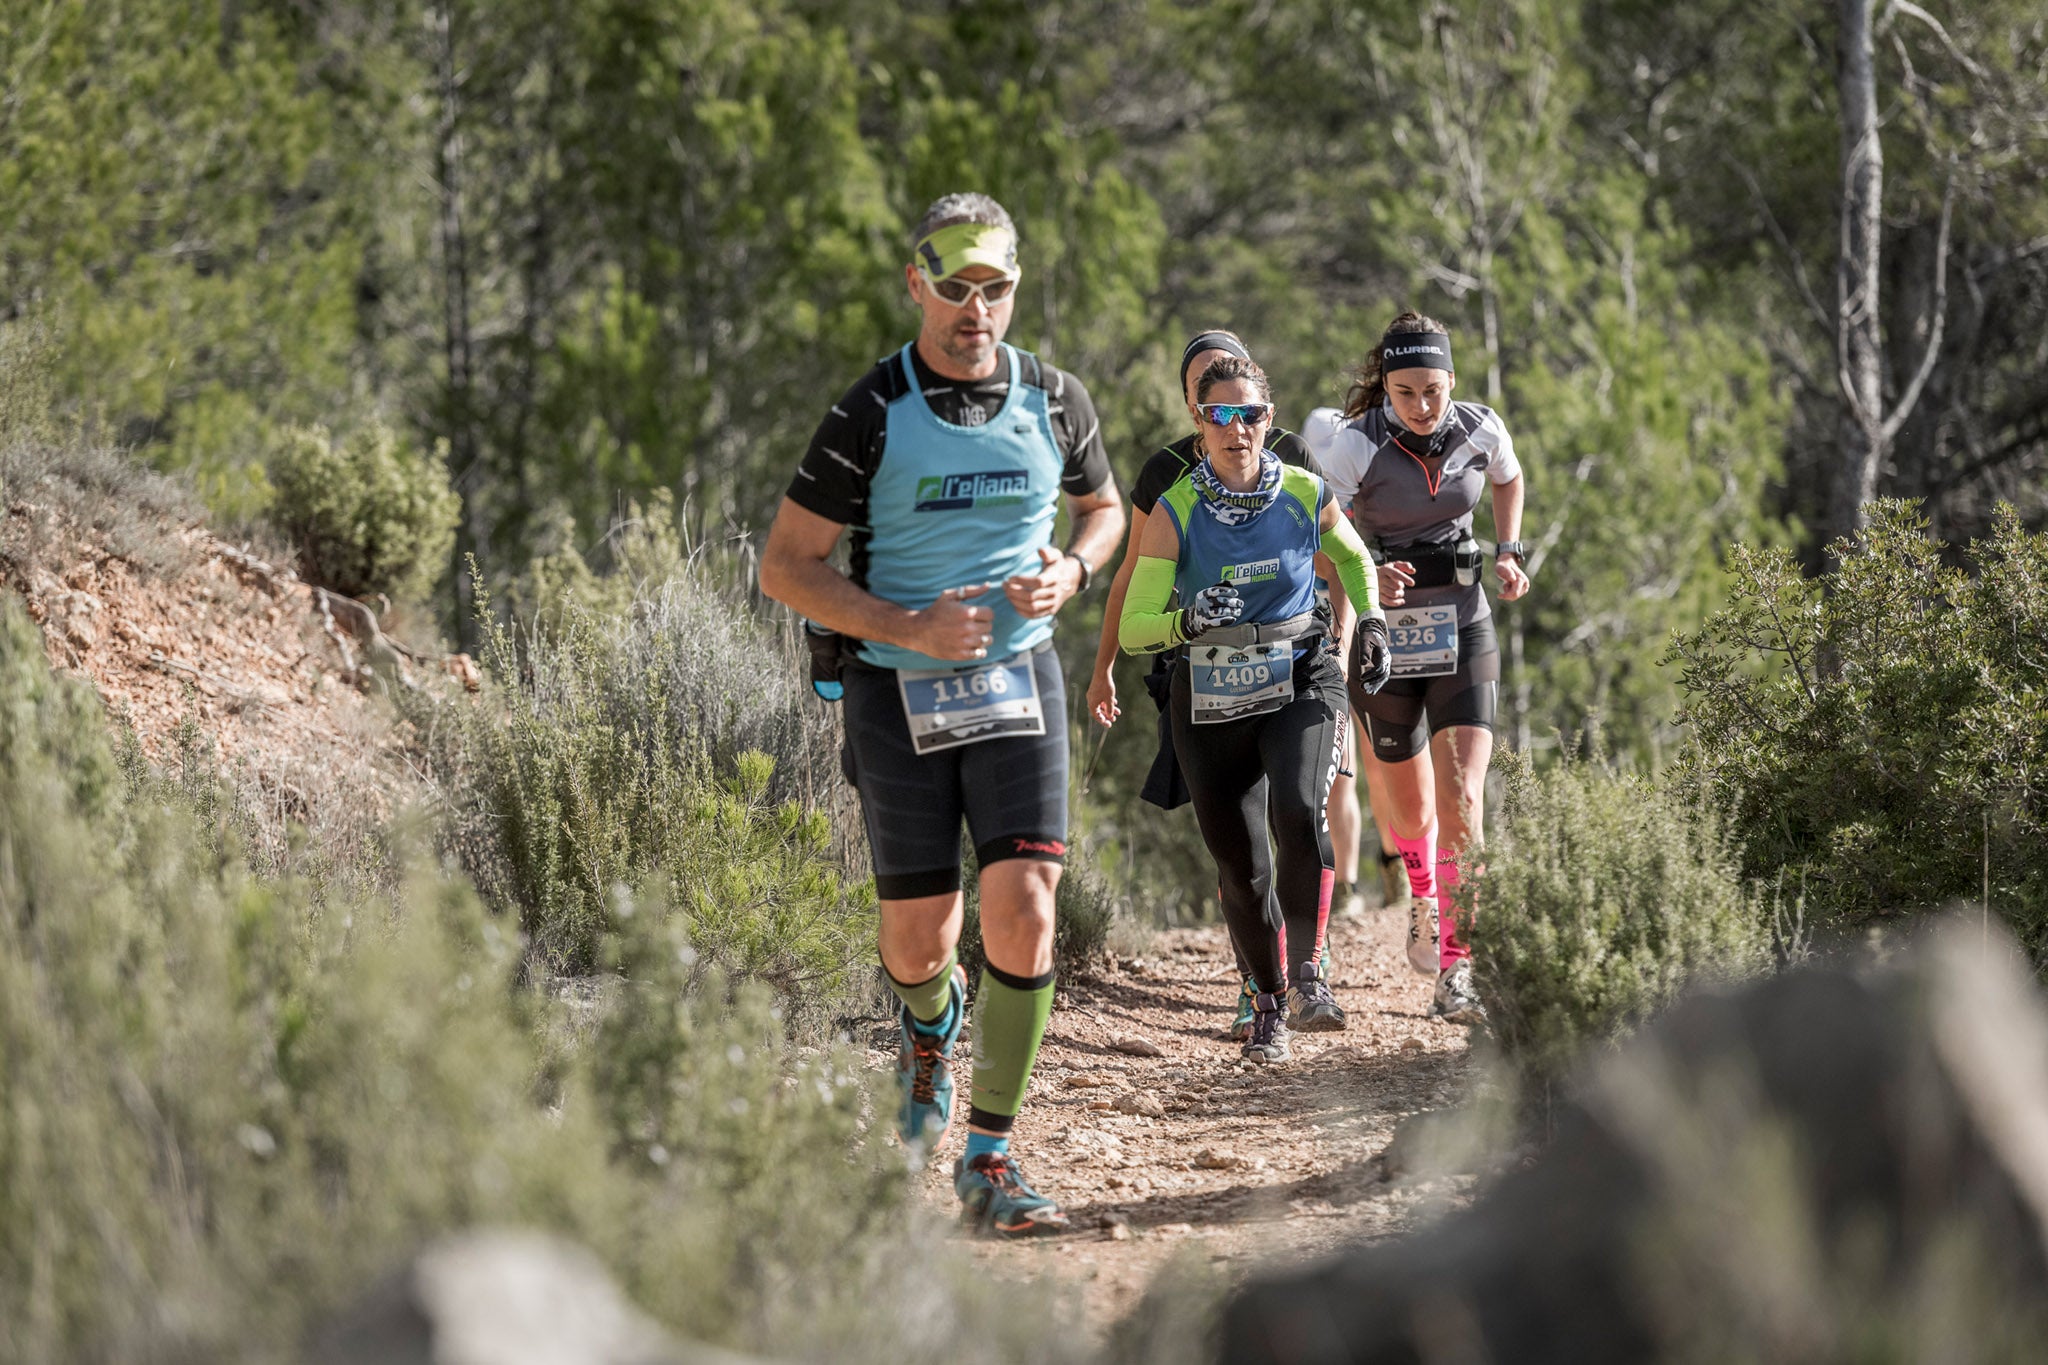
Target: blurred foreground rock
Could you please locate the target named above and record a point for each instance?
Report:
(1820, 1166)
(502, 1298)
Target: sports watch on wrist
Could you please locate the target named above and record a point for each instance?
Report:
(1518, 548)
(1087, 570)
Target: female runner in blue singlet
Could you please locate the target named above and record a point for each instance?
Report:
(1260, 695)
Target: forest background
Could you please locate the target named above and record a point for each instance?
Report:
(585, 254)
(565, 287)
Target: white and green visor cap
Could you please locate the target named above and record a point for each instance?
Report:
(952, 249)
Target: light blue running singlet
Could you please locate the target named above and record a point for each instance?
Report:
(952, 505)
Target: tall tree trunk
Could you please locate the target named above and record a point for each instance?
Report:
(1858, 338)
(456, 341)
(1867, 429)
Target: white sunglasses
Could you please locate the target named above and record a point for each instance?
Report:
(958, 292)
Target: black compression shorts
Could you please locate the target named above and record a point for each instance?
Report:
(1400, 717)
(1011, 790)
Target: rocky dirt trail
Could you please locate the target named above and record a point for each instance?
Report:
(1142, 1119)
(1195, 1151)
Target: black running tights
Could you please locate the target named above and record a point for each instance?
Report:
(1295, 750)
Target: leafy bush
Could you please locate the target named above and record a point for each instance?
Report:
(1602, 897)
(1882, 734)
(223, 1111)
(643, 550)
(649, 730)
(667, 749)
(367, 513)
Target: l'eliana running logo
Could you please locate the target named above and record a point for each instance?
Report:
(989, 488)
(1254, 572)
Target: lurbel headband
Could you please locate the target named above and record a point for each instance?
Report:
(1209, 341)
(1415, 351)
(952, 249)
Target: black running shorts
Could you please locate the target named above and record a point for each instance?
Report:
(1400, 717)
(1011, 790)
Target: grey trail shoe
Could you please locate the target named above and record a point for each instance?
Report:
(1456, 1002)
(1268, 1042)
(1312, 1008)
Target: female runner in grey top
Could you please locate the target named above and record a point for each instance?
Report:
(1410, 465)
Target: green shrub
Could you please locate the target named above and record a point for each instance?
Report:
(28, 397)
(367, 513)
(653, 750)
(643, 550)
(1604, 894)
(1881, 734)
(225, 1111)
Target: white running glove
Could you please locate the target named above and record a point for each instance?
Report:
(1214, 606)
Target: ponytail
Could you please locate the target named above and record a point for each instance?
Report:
(1368, 381)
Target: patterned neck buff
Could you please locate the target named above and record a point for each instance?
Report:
(1237, 509)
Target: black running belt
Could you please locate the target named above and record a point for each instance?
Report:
(1436, 566)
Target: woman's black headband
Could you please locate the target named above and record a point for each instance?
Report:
(1415, 351)
(1209, 341)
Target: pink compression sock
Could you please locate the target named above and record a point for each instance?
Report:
(1323, 895)
(1450, 948)
(1420, 857)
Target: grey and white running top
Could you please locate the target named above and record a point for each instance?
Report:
(1375, 468)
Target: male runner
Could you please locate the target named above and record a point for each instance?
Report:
(948, 460)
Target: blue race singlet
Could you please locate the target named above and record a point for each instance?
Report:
(952, 505)
(1270, 560)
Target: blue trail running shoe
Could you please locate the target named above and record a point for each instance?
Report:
(924, 1074)
(995, 1199)
(1241, 1026)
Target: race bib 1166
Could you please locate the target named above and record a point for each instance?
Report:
(947, 707)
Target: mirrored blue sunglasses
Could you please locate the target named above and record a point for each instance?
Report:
(1223, 414)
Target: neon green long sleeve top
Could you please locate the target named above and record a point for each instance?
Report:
(1146, 625)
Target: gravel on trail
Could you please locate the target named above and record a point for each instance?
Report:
(1196, 1150)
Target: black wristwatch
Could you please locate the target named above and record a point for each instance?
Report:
(1087, 570)
(1518, 548)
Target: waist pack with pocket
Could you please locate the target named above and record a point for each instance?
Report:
(1437, 565)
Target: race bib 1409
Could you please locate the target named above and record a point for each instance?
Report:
(1228, 682)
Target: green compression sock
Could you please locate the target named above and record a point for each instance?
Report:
(929, 1001)
(1009, 1020)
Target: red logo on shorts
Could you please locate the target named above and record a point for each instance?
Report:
(1052, 846)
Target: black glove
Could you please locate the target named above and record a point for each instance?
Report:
(1214, 606)
(1372, 657)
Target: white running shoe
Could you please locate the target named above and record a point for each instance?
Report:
(1456, 1002)
(1422, 953)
